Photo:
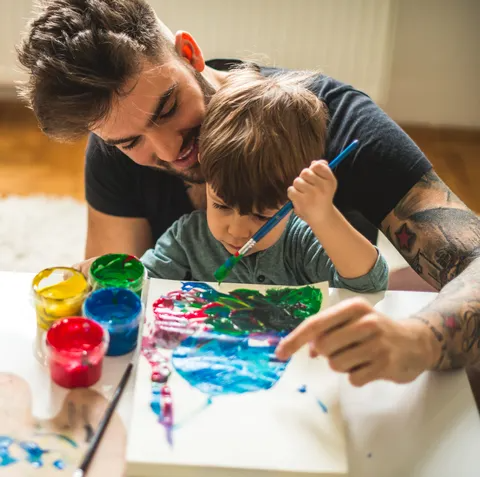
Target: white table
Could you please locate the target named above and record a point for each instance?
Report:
(428, 428)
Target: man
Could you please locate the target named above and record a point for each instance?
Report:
(111, 68)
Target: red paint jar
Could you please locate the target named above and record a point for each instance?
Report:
(75, 350)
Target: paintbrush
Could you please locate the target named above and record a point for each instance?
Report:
(222, 272)
(87, 459)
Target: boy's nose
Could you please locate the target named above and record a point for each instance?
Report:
(240, 230)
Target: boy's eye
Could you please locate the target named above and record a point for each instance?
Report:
(263, 218)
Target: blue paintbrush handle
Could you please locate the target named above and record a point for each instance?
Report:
(289, 206)
(272, 222)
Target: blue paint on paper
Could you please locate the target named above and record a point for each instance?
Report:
(118, 310)
(5, 457)
(302, 388)
(221, 364)
(156, 401)
(59, 464)
(324, 408)
(34, 453)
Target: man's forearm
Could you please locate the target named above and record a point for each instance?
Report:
(454, 320)
(440, 238)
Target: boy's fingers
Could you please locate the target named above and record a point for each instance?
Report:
(321, 169)
(310, 177)
(300, 185)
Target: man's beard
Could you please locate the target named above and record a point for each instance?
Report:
(194, 174)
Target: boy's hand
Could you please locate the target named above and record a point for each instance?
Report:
(312, 193)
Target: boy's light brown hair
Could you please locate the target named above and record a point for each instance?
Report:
(258, 134)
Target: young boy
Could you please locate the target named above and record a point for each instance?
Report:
(257, 143)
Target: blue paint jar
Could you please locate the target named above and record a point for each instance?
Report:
(119, 311)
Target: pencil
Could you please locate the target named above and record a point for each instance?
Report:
(87, 459)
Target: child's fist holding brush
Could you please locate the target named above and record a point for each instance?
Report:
(312, 195)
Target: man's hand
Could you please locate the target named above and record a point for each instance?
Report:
(367, 345)
(84, 266)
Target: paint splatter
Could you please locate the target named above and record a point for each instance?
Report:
(59, 464)
(197, 306)
(222, 364)
(62, 437)
(324, 408)
(5, 457)
(222, 342)
(302, 388)
(34, 453)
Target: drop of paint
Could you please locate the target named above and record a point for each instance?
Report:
(59, 464)
(302, 388)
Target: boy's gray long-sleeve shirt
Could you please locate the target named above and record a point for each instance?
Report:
(188, 251)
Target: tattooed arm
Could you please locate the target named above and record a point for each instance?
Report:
(440, 238)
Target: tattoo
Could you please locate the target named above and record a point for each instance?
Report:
(405, 237)
(438, 337)
(440, 238)
(472, 328)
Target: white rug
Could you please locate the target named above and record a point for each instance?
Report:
(37, 232)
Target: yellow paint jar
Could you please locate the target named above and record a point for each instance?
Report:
(58, 292)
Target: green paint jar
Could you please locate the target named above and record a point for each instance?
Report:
(117, 270)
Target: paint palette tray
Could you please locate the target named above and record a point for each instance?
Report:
(293, 428)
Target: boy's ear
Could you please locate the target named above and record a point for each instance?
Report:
(187, 48)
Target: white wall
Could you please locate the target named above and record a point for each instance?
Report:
(432, 77)
(435, 77)
(348, 39)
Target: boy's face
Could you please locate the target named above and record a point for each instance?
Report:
(234, 230)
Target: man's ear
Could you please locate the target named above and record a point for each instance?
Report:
(187, 48)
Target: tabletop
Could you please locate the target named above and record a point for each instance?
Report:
(427, 428)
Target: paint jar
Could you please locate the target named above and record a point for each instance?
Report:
(75, 348)
(58, 292)
(117, 270)
(119, 311)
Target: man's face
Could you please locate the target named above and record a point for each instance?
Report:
(157, 122)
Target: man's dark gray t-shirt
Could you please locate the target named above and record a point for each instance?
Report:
(370, 182)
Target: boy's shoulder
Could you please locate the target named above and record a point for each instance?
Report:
(194, 222)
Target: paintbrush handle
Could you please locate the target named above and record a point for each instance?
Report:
(272, 222)
(289, 206)
(80, 472)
